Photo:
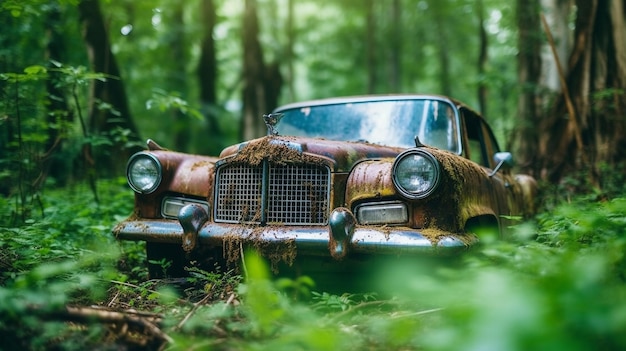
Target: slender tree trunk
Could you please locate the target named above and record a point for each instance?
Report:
(112, 92)
(482, 59)
(370, 40)
(272, 77)
(396, 46)
(557, 14)
(180, 121)
(253, 92)
(529, 70)
(261, 84)
(289, 52)
(445, 80)
(59, 113)
(207, 75)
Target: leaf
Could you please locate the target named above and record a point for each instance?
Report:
(56, 63)
(35, 70)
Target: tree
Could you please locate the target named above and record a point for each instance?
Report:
(529, 104)
(482, 58)
(262, 83)
(176, 41)
(60, 115)
(443, 48)
(207, 74)
(371, 48)
(108, 106)
(395, 71)
(289, 51)
(585, 129)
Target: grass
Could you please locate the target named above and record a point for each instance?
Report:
(558, 285)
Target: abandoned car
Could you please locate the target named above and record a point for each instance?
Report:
(334, 179)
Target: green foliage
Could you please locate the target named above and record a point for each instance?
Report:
(64, 256)
(40, 139)
(163, 101)
(18, 8)
(558, 285)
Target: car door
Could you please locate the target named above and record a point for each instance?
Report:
(480, 147)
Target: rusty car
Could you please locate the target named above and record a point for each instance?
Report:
(334, 180)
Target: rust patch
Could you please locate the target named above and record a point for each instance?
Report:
(370, 179)
(461, 184)
(200, 164)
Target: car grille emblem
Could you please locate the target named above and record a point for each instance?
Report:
(270, 121)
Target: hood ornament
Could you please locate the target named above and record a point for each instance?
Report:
(270, 121)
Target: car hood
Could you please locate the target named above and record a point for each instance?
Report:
(280, 149)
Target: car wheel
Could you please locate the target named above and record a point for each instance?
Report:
(165, 260)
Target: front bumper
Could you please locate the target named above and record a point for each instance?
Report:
(339, 239)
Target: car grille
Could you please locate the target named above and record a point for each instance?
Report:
(289, 194)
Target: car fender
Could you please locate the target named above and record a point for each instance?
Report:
(370, 179)
(182, 174)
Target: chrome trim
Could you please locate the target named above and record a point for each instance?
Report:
(182, 201)
(382, 204)
(311, 240)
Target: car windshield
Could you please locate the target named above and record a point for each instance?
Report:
(384, 122)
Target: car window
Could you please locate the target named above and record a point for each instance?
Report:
(475, 138)
(384, 122)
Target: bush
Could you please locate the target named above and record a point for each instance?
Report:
(559, 285)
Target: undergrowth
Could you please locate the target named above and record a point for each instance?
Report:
(560, 284)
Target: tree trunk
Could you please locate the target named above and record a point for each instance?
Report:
(207, 75)
(482, 59)
(59, 112)
(396, 46)
(528, 72)
(557, 14)
(289, 52)
(112, 92)
(370, 39)
(586, 128)
(442, 49)
(253, 66)
(261, 84)
(178, 61)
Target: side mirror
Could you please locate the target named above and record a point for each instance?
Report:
(504, 160)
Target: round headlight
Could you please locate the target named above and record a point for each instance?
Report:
(416, 174)
(143, 173)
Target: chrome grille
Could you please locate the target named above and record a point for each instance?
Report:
(292, 194)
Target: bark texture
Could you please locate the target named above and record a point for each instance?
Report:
(207, 77)
(529, 109)
(262, 83)
(110, 92)
(585, 130)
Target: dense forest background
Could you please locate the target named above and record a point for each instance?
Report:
(87, 82)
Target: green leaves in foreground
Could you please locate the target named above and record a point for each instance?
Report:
(560, 285)
(564, 289)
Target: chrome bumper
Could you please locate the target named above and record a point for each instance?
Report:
(340, 238)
